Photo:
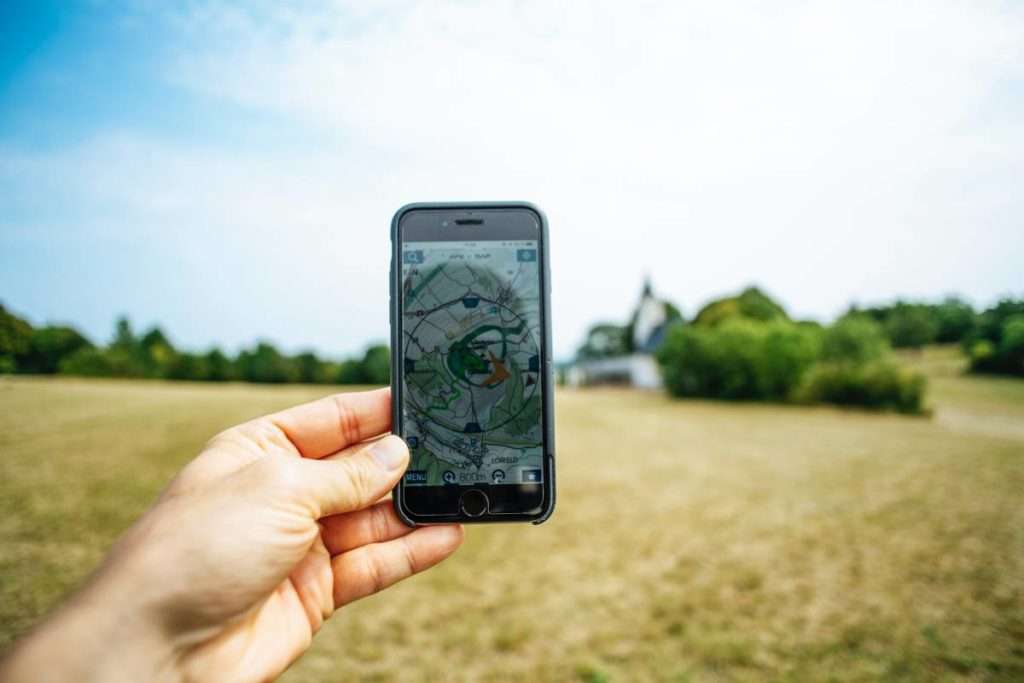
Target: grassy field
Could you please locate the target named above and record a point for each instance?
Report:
(692, 541)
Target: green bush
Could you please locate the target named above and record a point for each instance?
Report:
(997, 344)
(1011, 346)
(878, 384)
(785, 356)
(1013, 335)
(911, 325)
(742, 359)
(96, 362)
(853, 339)
(980, 353)
(737, 359)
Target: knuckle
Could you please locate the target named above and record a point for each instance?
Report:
(257, 436)
(268, 436)
(348, 422)
(361, 481)
(379, 523)
(372, 572)
(409, 555)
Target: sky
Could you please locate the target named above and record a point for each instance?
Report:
(229, 170)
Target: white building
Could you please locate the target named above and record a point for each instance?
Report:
(639, 368)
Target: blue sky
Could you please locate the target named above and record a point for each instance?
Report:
(228, 170)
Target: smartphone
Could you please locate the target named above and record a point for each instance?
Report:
(471, 376)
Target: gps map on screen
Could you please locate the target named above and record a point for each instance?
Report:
(472, 362)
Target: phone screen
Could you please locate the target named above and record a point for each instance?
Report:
(472, 367)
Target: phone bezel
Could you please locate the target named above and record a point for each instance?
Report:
(505, 221)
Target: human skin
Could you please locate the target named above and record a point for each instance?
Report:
(274, 526)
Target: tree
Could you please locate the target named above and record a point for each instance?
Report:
(1011, 346)
(351, 371)
(750, 304)
(154, 338)
(990, 322)
(377, 364)
(219, 367)
(266, 364)
(914, 324)
(997, 343)
(15, 339)
(124, 337)
(955, 319)
(186, 366)
(124, 357)
(309, 368)
(910, 325)
(157, 354)
(49, 345)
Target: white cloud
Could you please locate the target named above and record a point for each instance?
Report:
(828, 151)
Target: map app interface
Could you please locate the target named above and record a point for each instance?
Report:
(471, 328)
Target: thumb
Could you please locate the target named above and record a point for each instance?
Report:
(350, 480)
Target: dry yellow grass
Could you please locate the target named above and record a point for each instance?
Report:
(692, 540)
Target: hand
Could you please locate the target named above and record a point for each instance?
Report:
(275, 525)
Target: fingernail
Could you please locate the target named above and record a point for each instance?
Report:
(390, 452)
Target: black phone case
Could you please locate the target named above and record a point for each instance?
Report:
(394, 278)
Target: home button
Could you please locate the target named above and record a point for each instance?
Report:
(473, 502)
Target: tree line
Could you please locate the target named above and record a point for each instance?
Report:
(992, 339)
(60, 349)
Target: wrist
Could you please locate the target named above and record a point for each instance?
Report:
(105, 632)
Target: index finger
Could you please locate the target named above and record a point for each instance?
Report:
(331, 423)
